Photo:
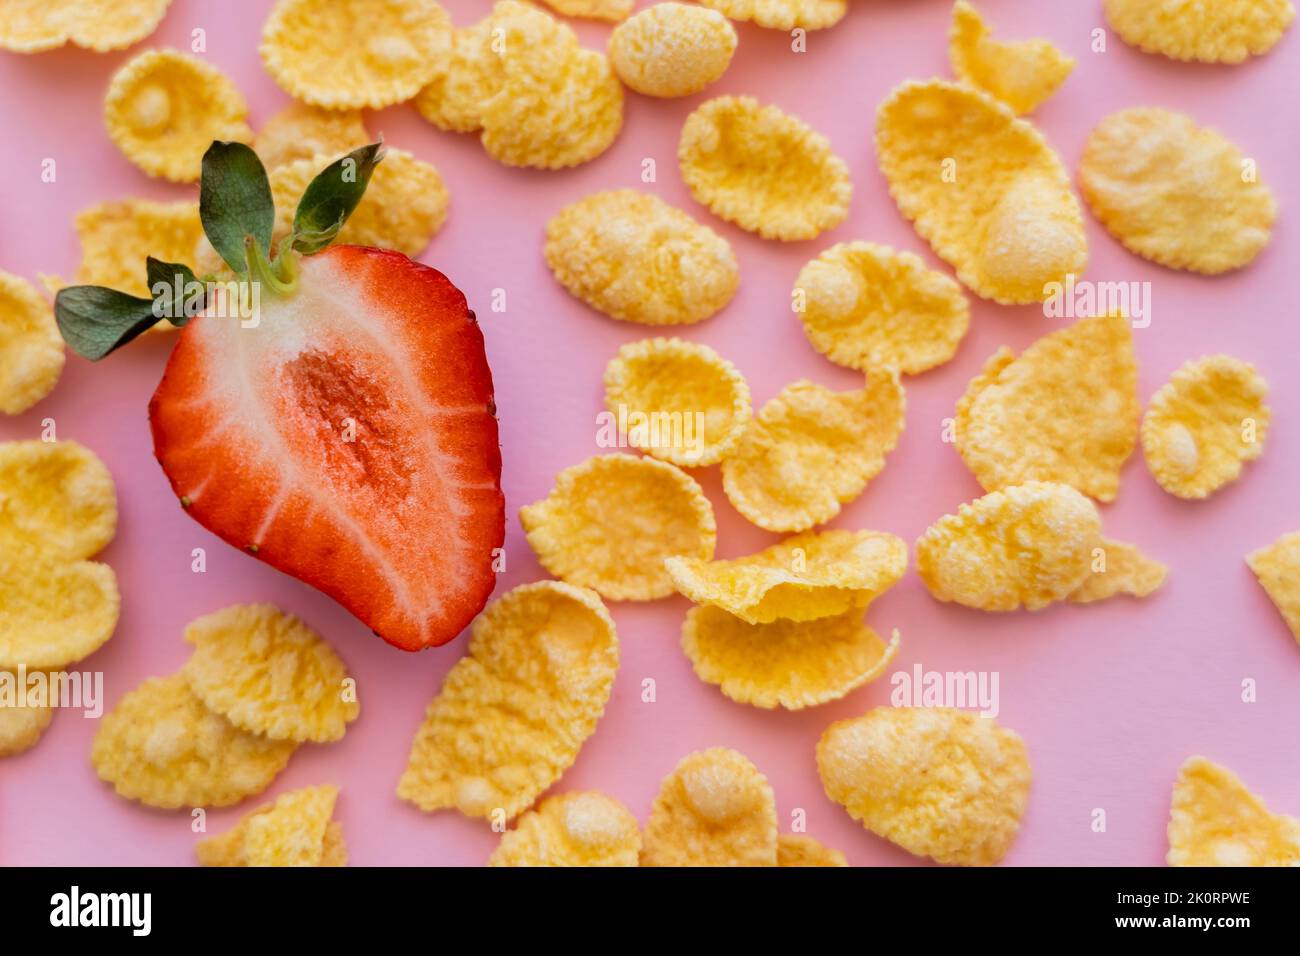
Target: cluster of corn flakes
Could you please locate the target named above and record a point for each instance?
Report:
(31, 349)
(672, 49)
(295, 830)
(34, 26)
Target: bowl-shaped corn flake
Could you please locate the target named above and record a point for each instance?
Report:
(56, 499)
(33, 26)
(53, 611)
(466, 76)
(783, 14)
(803, 851)
(672, 49)
(1278, 569)
(572, 829)
(31, 349)
(291, 831)
(300, 131)
(1119, 568)
(22, 725)
(613, 10)
(1215, 821)
(1225, 31)
(1021, 73)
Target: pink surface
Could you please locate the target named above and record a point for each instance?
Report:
(1110, 698)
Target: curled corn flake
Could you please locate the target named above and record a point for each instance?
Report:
(714, 809)
(810, 451)
(162, 747)
(809, 576)
(983, 188)
(33, 26)
(1066, 410)
(269, 673)
(804, 851)
(31, 349)
(1203, 424)
(289, 832)
(672, 49)
(164, 109)
(676, 400)
(56, 499)
(1175, 193)
(762, 169)
(613, 10)
(1119, 568)
(938, 782)
(348, 54)
(53, 611)
(1027, 545)
(304, 132)
(790, 664)
(867, 306)
(609, 523)
(21, 725)
(1021, 73)
(783, 14)
(572, 829)
(1278, 569)
(466, 77)
(1225, 31)
(513, 713)
(1215, 821)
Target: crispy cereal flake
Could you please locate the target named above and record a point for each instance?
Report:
(783, 14)
(513, 713)
(1021, 73)
(714, 809)
(31, 349)
(33, 26)
(466, 77)
(811, 450)
(804, 851)
(1119, 568)
(300, 131)
(21, 725)
(1278, 569)
(164, 109)
(1204, 424)
(867, 306)
(572, 829)
(1176, 193)
(983, 188)
(289, 832)
(609, 523)
(1212, 31)
(53, 611)
(1215, 821)
(613, 10)
(56, 499)
(672, 49)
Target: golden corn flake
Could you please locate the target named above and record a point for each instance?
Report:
(31, 349)
(1278, 569)
(164, 109)
(672, 49)
(289, 832)
(21, 725)
(1119, 568)
(269, 673)
(1226, 31)
(714, 809)
(161, 746)
(609, 523)
(633, 257)
(349, 54)
(783, 14)
(1027, 545)
(572, 829)
(762, 169)
(56, 498)
(1175, 193)
(676, 400)
(1203, 424)
(334, 852)
(790, 664)
(614, 10)
(804, 851)
(811, 450)
(938, 782)
(1021, 73)
(33, 26)
(983, 188)
(467, 75)
(1215, 821)
(514, 711)
(809, 576)
(867, 306)
(53, 612)
(304, 132)
(1066, 410)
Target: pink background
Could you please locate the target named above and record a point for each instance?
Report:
(1110, 698)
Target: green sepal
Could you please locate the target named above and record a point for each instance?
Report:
(332, 196)
(163, 278)
(235, 201)
(94, 320)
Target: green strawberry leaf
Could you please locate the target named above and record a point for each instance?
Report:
(94, 321)
(235, 201)
(332, 196)
(178, 295)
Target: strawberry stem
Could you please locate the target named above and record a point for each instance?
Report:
(281, 279)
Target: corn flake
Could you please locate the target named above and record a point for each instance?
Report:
(1225, 31)
(1066, 410)
(22, 725)
(1021, 73)
(1119, 568)
(811, 450)
(1175, 193)
(938, 782)
(348, 54)
(714, 809)
(162, 747)
(304, 132)
(867, 306)
(783, 14)
(804, 851)
(1027, 545)
(513, 713)
(33, 26)
(56, 499)
(672, 49)
(609, 523)
(1203, 424)
(289, 832)
(53, 612)
(1278, 569)
(31, 349)
(633, 257)
(1215, 821)
(809, 576)
(164, 109)
(983, 188)
(572, 829)
(613, 10)
(466, 77)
